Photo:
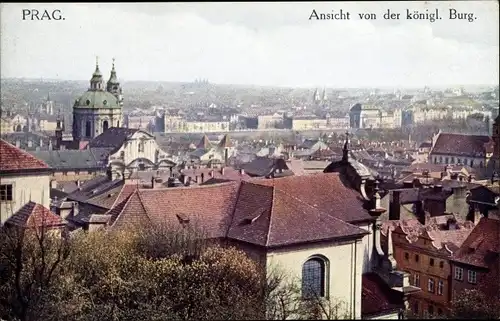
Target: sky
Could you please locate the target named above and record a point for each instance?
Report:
(269, 44)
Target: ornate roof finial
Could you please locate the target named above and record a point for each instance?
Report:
(113, 66)
(97, 62)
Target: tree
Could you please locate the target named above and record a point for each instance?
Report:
(473, 304)
(30, 262)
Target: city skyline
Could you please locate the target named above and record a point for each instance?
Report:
(247, 44)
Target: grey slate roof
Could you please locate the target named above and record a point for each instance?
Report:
(74, 159)
(114, 137)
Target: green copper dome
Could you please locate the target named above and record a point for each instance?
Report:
(97, 99)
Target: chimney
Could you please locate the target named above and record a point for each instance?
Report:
(477, 216)
(242, 171)
(423, 216)
(202, 177)
(211, 173)
(198, 179)
(222, 170)
(226, 157)
(185, 180)
(451, 224)
(153, 182)
(41, 142)
(394, 205)
(408, 184)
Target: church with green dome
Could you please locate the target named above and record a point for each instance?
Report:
(99, 108)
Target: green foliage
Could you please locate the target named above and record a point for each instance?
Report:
(160, 273)
(473, 304)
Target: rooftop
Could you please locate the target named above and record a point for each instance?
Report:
(15, 159)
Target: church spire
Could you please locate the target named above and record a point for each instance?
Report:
(96, 83)
(345, 150)
(112, 78)
(113, 85)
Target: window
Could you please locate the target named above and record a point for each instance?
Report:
(459, 273)
(88, 128)
(431, 310)
(430, 286)
(416, 257)
(453, 160)
(416, 280)
(431, 262)
(446, 160)
(313, 278)
(6, 192)
(105, 125)
(441, 264)
(472, 275)
(141, 146)
(440, 287)
(407, 256)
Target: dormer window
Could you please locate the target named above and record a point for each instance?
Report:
(87, 102)
(105, 102)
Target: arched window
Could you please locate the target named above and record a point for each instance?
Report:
(141, 146)
(88, 128)
(314, 274)
(105, 126)
(118, 124)
(471, 163)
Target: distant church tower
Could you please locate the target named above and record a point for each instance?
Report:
(48, 106)
(99, 108)
(316, 97)
(113, 85)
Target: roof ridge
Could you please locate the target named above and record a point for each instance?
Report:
(271, 214)
(118, 197)
(233, 211)
(124, 202)
(142, 203)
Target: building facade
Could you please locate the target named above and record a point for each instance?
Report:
(23, 178)
(99, 108)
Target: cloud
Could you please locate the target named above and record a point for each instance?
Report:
(254, 43)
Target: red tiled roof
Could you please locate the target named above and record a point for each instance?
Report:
(15, 159)
(210, 206)
(272, 212)
(461, 145)
(483, 242)
(130, 213)
(325, 191)
(433, 230)
(35, 216)
(268, 216)
(377, 297)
